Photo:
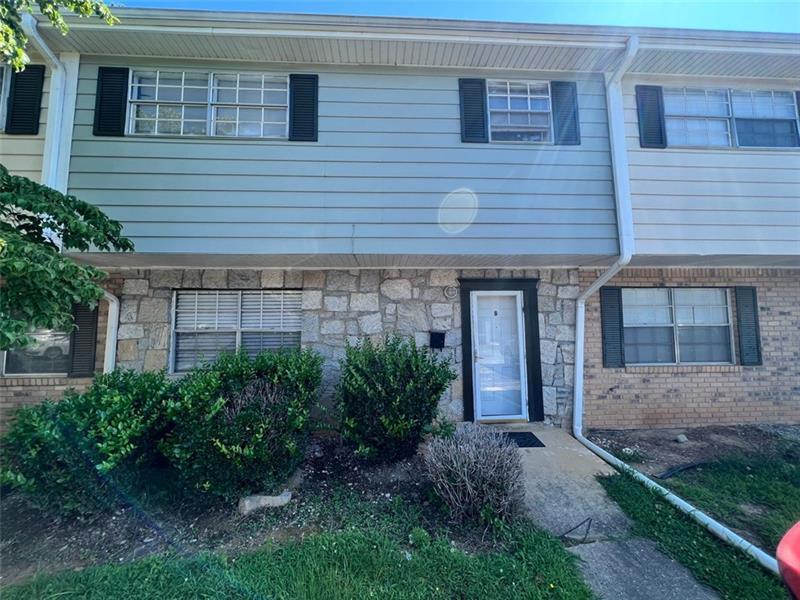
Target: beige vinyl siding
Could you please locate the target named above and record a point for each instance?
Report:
(389, 152)
(715, 201)
(22, 154)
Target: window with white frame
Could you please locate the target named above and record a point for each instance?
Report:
(697, 117)
(520, 111)
(47, 355)
(209, 322)
(190, 103)
(676, 325)
(723, 117)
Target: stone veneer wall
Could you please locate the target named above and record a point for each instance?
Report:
(341, 306)
(635, 397)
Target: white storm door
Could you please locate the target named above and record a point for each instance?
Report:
(498, 356)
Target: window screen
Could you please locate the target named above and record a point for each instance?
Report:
(48, 354)
(209, 323)
(520, 111)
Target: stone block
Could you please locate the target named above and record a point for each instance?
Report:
(192, 278)
(272, 279)
(546, 289)
(452, 338)
(166, 278)
(548, 351)
(127, 350)
(215, 279)
(246, 279)
(335, 303)
(158, 336)
(312, 299)
(129, 310)
(442, 324)
(396, 289)
(371, 324)
(130, 331)
(549, 400)
(412, 316)
(369, 281)
(341, 281)
(250, 504)
(155, 360)
(569, 291)
(443, 278)
(313, 279)
(332, 327)
(310, 332)
(135, 287)
(293, 279)
(441, 309)
(153, 310)
(565, 333)
(364, 301)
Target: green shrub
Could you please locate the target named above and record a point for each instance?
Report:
(74, 454)
(240, 424)
(388, 396)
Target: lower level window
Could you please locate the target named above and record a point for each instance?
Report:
(676, 325)
(208, 323)
(48, 354)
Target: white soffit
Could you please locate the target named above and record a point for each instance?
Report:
(379, 41)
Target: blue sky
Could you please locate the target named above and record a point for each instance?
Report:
(746, 15)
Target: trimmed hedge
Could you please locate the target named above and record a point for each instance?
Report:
(234, 426)
(240, 425)
(388, 396)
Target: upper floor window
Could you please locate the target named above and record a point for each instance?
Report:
(676, 325)
(722, 118)
(47, 355)
(208, 323)
(520, 111)
(187, 103)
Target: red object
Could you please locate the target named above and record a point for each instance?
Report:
(788, 556)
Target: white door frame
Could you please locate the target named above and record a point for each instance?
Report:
(523, 414)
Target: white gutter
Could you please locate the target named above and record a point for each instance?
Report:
(616, 129)
(110, 354)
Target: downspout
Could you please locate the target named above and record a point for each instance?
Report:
(55, 163)
(619, 163)
(58, 71)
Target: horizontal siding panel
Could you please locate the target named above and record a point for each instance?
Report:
(717, 232)
(96, 167)
(164, 183)
(715, 188)
(716, 203)
(729, 158)
(258, 231)
(708, 247)
(747, 219)
(389, 152)
(394, 245)
(229, 214)
(86, 151)
(377, 200)
(727, 176)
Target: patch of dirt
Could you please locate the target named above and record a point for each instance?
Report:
(657, 450)
(34, 541)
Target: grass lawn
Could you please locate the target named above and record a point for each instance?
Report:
(759, 494)
(734, 575)
(359, 550)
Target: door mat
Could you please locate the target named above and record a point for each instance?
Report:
(524, 439)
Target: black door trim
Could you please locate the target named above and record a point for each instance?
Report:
(530, 311)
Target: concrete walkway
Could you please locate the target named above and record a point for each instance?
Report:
(564, 497)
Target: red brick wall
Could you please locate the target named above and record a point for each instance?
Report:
(684, 396)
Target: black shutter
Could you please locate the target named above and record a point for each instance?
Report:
(747, 323)
(564, 95)
(25, 101)
(650, 106)
(83, 342)
(111, 101)
(303, 107)
(472, 95)
(611, 324)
